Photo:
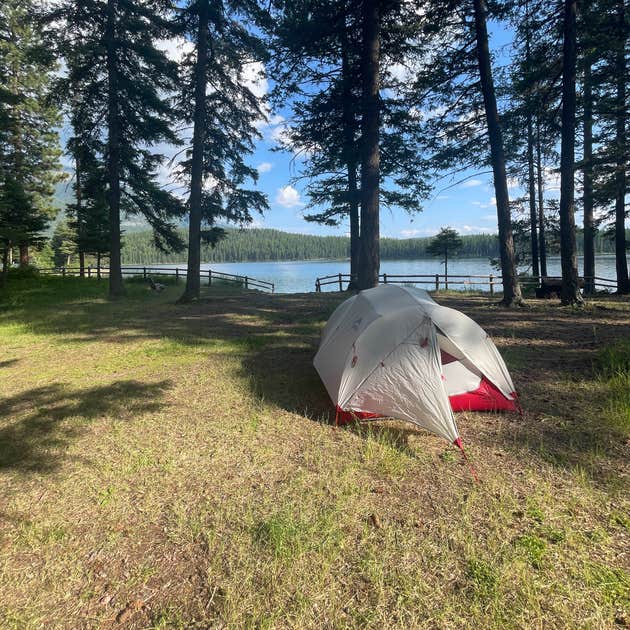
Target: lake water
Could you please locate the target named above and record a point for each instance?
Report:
(299, 276)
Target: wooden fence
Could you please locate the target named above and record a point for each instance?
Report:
(207, 275)
(438, 281)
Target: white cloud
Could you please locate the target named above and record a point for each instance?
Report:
(255, 78)
(288, 197)
(409, 233)
(176, 48)
(476, 229)
(264, 167)
(470, 183)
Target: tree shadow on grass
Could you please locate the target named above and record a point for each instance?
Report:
(37, 426)
(276, 338)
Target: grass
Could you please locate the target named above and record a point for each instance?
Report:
(175, 466)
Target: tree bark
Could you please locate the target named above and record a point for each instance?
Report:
(5, 265)
(511, 287)
(570, 293)
(351, 161)
(446, 268)
(113, 153)
(24, 254)
(193, 282)
(78, 195)
(621, 261)
(587, 171)
(533, 216)
(541, 206)
(370, 154)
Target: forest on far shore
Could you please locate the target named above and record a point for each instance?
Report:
(258, 244)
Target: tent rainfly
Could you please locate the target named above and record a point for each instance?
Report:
(392, 352)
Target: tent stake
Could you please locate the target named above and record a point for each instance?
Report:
(460, 446)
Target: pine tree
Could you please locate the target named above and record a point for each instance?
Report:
(568, 247)
(29, 151)
(223, 120)
(446, 242)
(318, 48)
(454, 89)
(124, 80)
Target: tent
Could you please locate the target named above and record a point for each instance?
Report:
(393, 352)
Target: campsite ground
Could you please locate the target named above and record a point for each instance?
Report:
(174, 466)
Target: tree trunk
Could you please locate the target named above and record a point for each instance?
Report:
(193, 282)
(5, 265)
(24, 254)
(533, 216)
(587, 169)
(79, 197)
(511, 288)
(570, 293)
(351, 161)
(98, 265)
(446, 268)
(370, 155)
(113, 153)
(621, 261)
(541, 205)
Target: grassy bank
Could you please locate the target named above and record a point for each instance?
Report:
(174, 466)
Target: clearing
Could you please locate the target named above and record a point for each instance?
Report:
(171, 465)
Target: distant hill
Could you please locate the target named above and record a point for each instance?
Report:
(253, 245)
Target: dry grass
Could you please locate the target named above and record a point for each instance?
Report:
(173, 466)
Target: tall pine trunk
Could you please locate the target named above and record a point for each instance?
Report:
(113, 153)
(587, 172)
(621, 261)
(370, 155)
(5, 264)
(533, 219)
(350, 160)
(511, 288)
(531, 181)
(570, 293)
(542, 242)
(24, 254)
(196, 169)
(79, 218)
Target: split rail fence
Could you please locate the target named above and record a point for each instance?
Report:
(207, 276)
(438, 281)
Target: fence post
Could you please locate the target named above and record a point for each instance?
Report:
(437, 281)
(144, 272)
(209, 277)
(176, 275)
(246, 282)
(446, 282)
(340, 283)
(89, 271)
(318, 288)
(491, 284)
(63, 272)
(384, 278)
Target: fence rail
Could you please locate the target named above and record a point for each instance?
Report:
(206, 275)
(437, 281)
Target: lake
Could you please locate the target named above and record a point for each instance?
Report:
(299, 276)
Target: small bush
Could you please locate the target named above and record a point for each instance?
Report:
(23, 273)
